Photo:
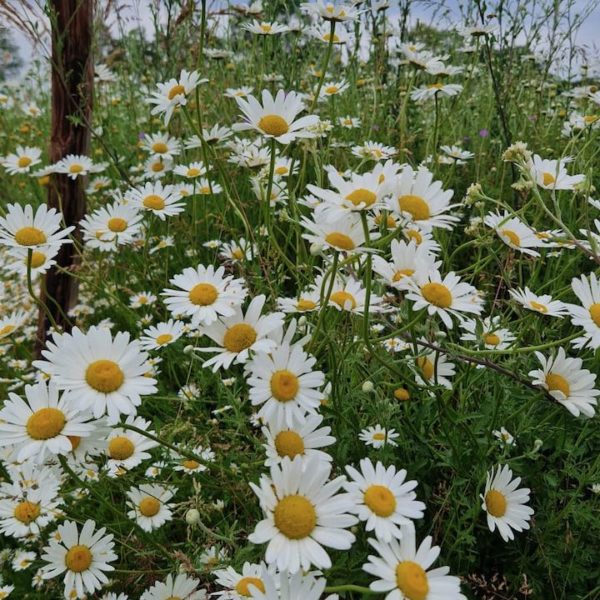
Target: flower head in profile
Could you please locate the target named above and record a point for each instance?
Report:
(552, 174)
(276, 117)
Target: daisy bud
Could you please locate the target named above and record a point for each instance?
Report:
(401, 394)
(188, 349)
(192, 516)
(537, 445)
(302, 321)
(368, 387)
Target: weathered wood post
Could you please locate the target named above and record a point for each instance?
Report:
(72, 88)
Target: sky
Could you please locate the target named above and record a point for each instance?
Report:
(137, 12)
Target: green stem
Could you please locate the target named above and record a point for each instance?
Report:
(325, 65)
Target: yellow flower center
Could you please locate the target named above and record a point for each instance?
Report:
(45, 423)
(192, 465)
(284, 385)
(495, 503)
(149, 506)
(164, 338)
(327, 38)
(548, 178)
(237, 253)
(157, 167)
(154, 202)
(160, 147)
(24, 161)
(26, 512)
(203, 294)
(120, 448)
(401, 273)
(435, 86)
(273, 125)
(176, 90)
(295, 517)
(514, 239)
(265, 27)
(491, 339)
(411, 580)
(239, 337)
(426, 366)
(415, 206)
(380, 500)
(76, 168)
(361, 196)
(437, 294)
(595, 313)
(289, 443)
(402, 394)
(390, 222)
(340, 241)
(30, 236)
(283, 170)
(7, 329)
(342, 298)
(332, 89)
(243, 589)
(304, 304)
(104, 376)
(78, 558)
(554, 381)
(193, 172)
(117, 224)
(75, 441)
(588, 119)
(379, 436)
(537, 306)
(413, 234)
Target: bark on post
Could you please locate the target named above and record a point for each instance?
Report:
(72, 87)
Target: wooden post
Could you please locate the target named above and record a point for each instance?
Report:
(72, 89)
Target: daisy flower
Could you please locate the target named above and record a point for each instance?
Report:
(105, 374)
(238, 584)
(408, 260)
(204, 294)
(163, 201)
(421, 199)
(349, 122)
(26, 512)
(276, 117)
(22, 160)
(76, 165)
(329, 11)
(374, 151)
(443, 296)
(587, 290)
(182, 586)
(149, 504)
(126, 449)
(323, 32)
(142, 299)
(111, 225)
(23, 560)
(488, 333)
(83, 556)
(350, 295)
(382, 498)
(514, 233)
(552, 174)
(456, 154)
(307, 302)
(504, 436)
(21, 228)
(540, 304)
(161, 145)
(433, 368)
(174, 93)
(344, 234)
(191, 466)
(378, 436)
(43, 424)
(427, 92)
(11, 323)
(567, 382)
(303, 438)
(402, 570)
(239, 334)
(237, 251)
(263, 28)
(333, 88)
(282, 382)
(303, 512)
(241, 92)
(191, 171)
(505, 504)
(299, 586)
(161, 335)
(157, 167)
